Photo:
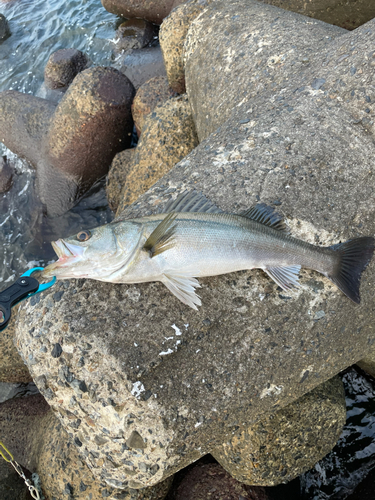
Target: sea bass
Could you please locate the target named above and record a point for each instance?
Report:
(193, 238)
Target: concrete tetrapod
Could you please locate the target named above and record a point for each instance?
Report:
(71, 144)
(155, 384)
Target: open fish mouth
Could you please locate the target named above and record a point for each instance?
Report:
(67, 254)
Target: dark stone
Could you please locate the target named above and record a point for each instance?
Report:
(4, 28)
(151, 10)
(6, 175)
(134, 34)
(135, 441)
(56, 351)
(63, 66)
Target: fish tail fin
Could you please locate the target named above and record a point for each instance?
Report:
(354, 256)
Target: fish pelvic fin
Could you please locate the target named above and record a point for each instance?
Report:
(183, 287)
(286, 277)
(161, 238)
(353, 258)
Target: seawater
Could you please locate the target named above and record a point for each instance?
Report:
(39, 28)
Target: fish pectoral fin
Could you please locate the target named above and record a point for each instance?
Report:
(285, 277)
(183, 287)
(161, 238)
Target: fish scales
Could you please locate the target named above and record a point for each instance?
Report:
(177, 246)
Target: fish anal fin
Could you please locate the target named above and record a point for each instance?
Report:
(191, 201)
(286, 277)
(265, 215)
(161, 238)
(183, 287)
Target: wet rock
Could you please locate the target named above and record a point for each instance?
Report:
(63, 66)
(290, 442)
(12, 367)
(350, 15)
(172, 37)
(287, 49)
(188, 384)
(117, 175)
(151, 10)
(6, 175)
(12, 486)
(134, 34)
(71, 144)
(4, 28)
(142, 64)
(211, 481)
(152, 93)
(365, 490)
(167, 137)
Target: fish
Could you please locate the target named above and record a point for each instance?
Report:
(193, 238)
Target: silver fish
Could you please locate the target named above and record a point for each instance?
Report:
(193, 238)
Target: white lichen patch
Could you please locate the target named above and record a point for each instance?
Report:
(272, 390)
(137, 389)
(306, 231)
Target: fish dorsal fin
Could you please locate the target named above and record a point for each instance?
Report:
(191, 201)
(265, 215)
(161, 238)
(286, 277)
(183, 286)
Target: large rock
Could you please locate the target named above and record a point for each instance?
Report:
(157, 385)
(140, 65)
(134, 34)
(117, 175)
(349, 14)
(278, 449)
(38, 442)
(151, 10)
(152, 93)
(172, 37)
(63, 66)
(168, 136)
(12, 367)
(71, 144)
(274, 45)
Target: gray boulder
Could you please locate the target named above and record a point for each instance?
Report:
(157, 385)
(139, 65)
(63, 66)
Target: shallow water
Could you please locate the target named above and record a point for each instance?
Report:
(336, 476)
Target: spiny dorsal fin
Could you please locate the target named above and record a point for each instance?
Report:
(286, 277)
(161, 238)
(191, 201)
(265, 215)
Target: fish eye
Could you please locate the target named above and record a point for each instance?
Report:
(83, 235)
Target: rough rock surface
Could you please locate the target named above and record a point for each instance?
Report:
(211, 482)
(149, 95)
(6, 175)
(280, 448)
(151, 10)
(142, 64)
(117, 175)
(168, 136)
(12, 367)
(4, 28)
(172, 36)
(368, 362)
(134, 34)
(38, 442)
(185, 386)
(261, 58)
(348, 14)
(62, 66)
(71, 144)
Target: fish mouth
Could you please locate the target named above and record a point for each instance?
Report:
(67, 254)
